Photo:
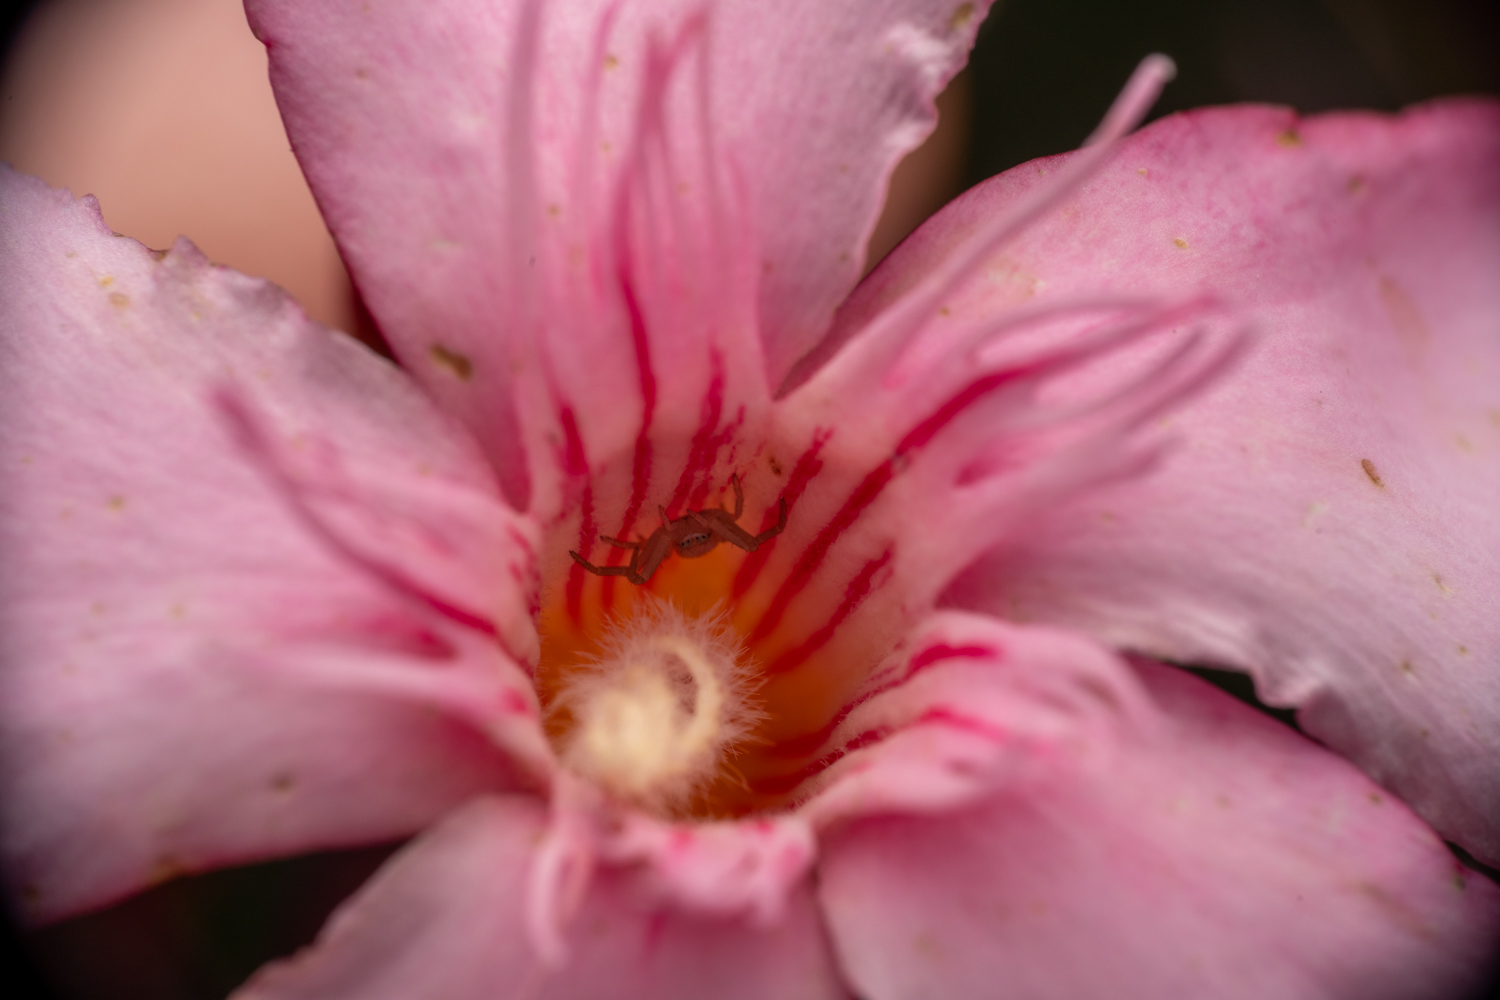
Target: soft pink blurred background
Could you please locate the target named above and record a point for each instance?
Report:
(161, 108)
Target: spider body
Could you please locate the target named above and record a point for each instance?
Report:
(693, 535)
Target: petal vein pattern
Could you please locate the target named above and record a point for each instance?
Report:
(1327, 519)
(162, 602)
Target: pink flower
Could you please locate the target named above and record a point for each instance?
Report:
(265, 593)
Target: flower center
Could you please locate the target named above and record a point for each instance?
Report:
(658, 713)
(709, 690)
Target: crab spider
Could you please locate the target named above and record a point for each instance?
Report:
(694, 534)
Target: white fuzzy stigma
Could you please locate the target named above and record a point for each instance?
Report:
(658, 714)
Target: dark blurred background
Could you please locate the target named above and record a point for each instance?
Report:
(1042, 74)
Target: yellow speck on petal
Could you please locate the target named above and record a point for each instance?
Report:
(119, 300)
(1290, 139)
(1182, 243)
(1437, 579)
(1463, 443)
(106, 280)
(456, 363)
(1369, 468)
(116, 502)
(1142, 171)
(610, 60)
(962, 16)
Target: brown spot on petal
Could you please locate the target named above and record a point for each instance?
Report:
(1376, 798)
(116, 503)
(106, 281)
(459, 364)
(283, 783)
(1181, 243)
(962, 16)
(1410, 328)
(1290, 139)
(119, 300)
(1369, 468)
(1408, 669)
(1356, 184)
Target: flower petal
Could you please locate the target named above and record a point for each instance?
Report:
(192, 673)
(693, 216)
(1130, 833)
(445, 918)
(1328, 517)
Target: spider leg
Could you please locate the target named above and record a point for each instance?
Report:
(649, 555)
(628, 572)
(739, 496)
(780, 525)
(619, 543)
(719, 523)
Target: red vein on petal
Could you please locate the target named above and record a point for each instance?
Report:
(870, 488)
(942, 715)
(808, 465)
(640, 466)
(575, 464)
(727, 435)
(945, 716)
(801, 746)
(854, 594)
(702, 449)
